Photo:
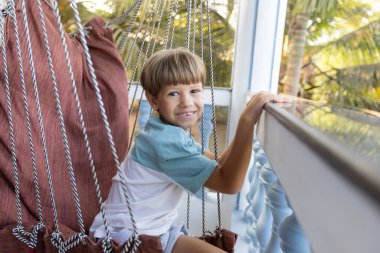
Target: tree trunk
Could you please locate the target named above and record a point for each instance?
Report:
(296, 50)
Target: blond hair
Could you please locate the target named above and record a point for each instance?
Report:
(172, 67)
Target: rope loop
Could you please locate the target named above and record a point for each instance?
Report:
(106, 244)
(132, 244)
(64, 246)
(6, 11)
(29, 238)
(86, 31)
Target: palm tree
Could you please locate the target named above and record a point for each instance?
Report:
(350, 68)
(359, 48)
(302, 12)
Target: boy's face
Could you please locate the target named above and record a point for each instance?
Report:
(180, 105)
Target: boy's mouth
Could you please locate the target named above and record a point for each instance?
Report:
(186, 114)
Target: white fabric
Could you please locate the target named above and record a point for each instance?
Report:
(168, 239)
(153, 196)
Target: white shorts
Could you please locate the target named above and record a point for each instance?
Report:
(168, 239)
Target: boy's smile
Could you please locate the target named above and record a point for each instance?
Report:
(180, 105)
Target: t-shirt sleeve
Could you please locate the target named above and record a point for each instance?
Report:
(182, 160)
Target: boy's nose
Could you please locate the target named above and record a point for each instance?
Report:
(186, 101)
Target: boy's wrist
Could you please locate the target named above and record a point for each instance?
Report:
(248, 118)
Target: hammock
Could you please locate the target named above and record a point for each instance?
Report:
(49, 123)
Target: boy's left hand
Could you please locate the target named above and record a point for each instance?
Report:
(256, 103)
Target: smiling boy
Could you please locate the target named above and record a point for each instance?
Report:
(166, 163)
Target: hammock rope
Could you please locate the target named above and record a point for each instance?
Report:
(168, 24)
(141, 47)
(57, 241)
(28, 238)
(4, 13)
(129, 28)
(34, 81)
(194, 23)
(133, 242)
(173, 27)
(212, 84)
(167, 29)
(136, 35)
(143, 64)
(40, 224)
(124, 16)
(106, 245)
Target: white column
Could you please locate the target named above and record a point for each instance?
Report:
(267, 47)
(258, 44)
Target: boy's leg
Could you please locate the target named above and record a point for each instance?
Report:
(188, 244)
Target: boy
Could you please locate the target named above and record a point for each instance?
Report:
(166, 162)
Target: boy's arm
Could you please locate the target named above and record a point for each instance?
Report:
(229, 176)
(221, 158)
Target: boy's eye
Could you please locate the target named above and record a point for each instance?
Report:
(173, 93)
(196, 91)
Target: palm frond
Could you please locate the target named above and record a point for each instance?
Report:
(359, 47)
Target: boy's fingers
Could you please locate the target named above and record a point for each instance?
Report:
(279, 99)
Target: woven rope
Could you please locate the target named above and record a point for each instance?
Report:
(170, 15)
(141, 46)
(64, 246)
(213, 103)
(194, 23)
(123, 16)
(158, 29)
(129, 28)
(188, 24)
(61, 120)
(136, 36)
(34, 79)
(103, 114)
(143, 64)
(107, 247)
(10, 121)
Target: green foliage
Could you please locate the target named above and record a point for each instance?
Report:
(67, 15)
(356, 130)
(343, 46)
(359, 47)
(354, 87)
(222, 33)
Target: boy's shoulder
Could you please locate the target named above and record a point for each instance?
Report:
(161, 139)
(162, 142)
(157, 131)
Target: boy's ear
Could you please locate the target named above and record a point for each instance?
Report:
(152, 100)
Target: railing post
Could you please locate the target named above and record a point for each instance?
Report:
(254, 174)
(266, 178)
(293, 239)
(257, 203)
(265, 221)
(280, 211)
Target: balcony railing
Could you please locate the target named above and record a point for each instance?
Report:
(315, 183)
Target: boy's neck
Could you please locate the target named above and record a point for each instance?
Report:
(168, 123)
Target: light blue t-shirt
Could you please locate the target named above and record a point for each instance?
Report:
(171, 150)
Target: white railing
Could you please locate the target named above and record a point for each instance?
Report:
(332, 200)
